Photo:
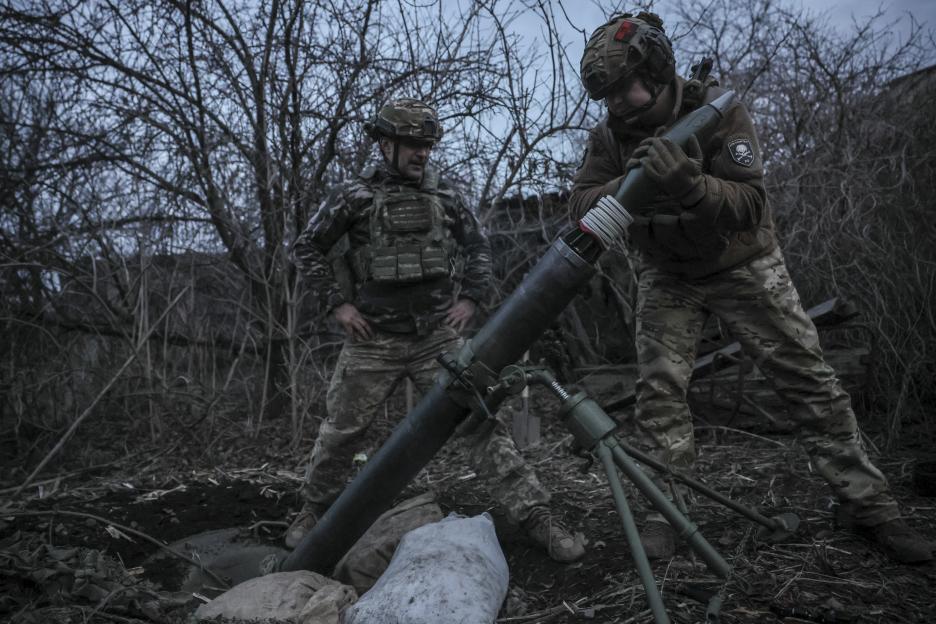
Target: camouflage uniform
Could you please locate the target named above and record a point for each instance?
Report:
(721, 257)
(409, 333)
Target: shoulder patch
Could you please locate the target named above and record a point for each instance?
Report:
(741, 152)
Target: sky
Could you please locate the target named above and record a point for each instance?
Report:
(841, 15)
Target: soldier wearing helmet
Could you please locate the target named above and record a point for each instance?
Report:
(405, 227)
(706, 245)
(406, 130)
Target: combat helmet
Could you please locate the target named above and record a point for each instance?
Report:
(624, 45)
(405, 118)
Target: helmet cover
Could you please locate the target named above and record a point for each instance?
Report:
(623, 46)
(405, 118)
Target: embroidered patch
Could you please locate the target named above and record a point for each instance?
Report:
(625, 31)
(741, 152)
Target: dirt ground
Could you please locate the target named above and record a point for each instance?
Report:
(194, 484)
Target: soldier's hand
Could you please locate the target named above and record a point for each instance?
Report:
(641, 151)
(460, 314)
(355, 325)
(634, 161)
(677, 172)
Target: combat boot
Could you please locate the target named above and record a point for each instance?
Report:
(306, 519)
(549, 533)
(900, 542)
(658, 539)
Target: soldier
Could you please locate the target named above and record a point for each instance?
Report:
(405, 227)
(706, 245)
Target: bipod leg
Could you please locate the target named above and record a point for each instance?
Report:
(775, 529)
(654, 598)
(684, 528)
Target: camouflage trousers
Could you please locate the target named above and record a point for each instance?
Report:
(365, 376)
(759, 304)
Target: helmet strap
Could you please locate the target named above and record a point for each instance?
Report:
(394, 159)
(396, 155)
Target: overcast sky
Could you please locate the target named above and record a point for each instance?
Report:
(841, 14)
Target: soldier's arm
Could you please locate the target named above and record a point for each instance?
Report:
(309, 252)
(734, 197)
(476, 249)
(600, 174)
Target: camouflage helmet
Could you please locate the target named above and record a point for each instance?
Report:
(623, 46)
(405, 118)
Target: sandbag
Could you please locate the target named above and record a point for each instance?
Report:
(370, 555)
(449, 571)
(299, 597)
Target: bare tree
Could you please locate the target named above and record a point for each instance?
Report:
(217, 127)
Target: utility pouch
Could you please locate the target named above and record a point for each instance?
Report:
(383, 265)
(434, 262)
(408, 263)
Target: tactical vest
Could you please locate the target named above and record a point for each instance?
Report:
(409, 239)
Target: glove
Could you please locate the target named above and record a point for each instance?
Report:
(641, 151)
(678, 173)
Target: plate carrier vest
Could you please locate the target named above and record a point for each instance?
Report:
(409, 238)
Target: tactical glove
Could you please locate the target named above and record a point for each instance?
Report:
(678, 173)
(641, 150)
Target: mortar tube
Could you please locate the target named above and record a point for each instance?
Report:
(526, 314)
(549, 287)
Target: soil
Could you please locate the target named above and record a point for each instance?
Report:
(193, 483)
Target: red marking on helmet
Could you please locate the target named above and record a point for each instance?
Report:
(625, 31)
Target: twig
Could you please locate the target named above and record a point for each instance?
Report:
(747, 433)
(266, 523)
(72, 473)
(105, 600)
(125, 529)
(105, 390)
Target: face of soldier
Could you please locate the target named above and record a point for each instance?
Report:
(629, 96)
(632, 95)
(411, 156)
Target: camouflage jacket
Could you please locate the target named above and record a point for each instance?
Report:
(407, 307)
(731, 225)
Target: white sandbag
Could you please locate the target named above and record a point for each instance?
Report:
(449, 571)
(300, 597)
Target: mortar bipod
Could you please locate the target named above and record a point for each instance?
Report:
(594, 430)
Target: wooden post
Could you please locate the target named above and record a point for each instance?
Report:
(525, 426)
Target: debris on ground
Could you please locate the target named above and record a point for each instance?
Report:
(251, 482)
